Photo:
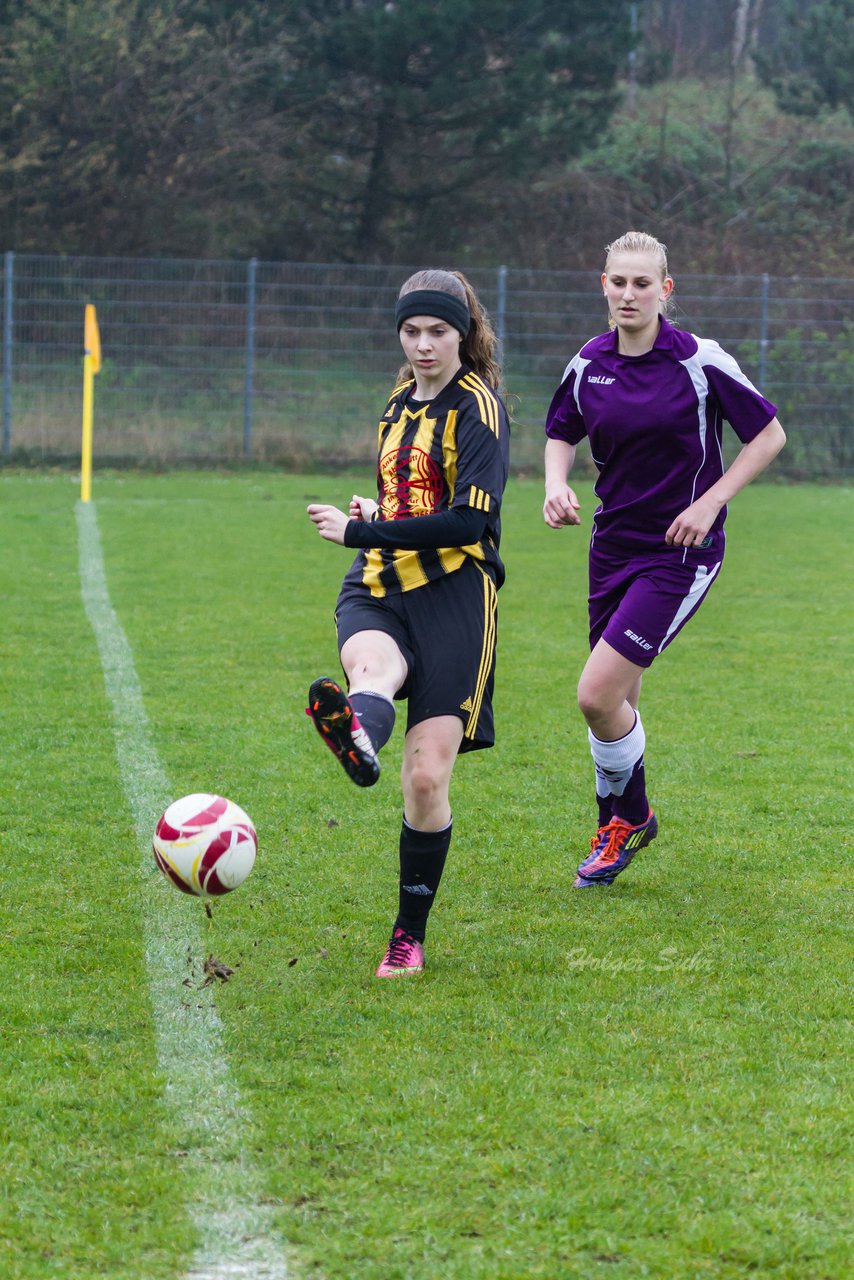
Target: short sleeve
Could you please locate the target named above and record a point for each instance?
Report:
(745, 409)
(564, 420)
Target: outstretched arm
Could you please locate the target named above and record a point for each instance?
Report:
(561, 505)
(330, 522)
(691, 525)
(456, 527)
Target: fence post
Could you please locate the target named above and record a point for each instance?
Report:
(501, 312)
(8, 286)
(763, 333)
(250, 357)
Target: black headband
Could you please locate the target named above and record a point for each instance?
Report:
(433, 302)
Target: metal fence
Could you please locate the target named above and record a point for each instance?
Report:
(214, 362)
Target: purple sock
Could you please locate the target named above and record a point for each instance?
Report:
(633, 805)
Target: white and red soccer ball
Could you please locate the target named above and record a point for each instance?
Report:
(205, 845)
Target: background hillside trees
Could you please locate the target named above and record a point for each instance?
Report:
(126, 125)
(408, 116)
(811, 67)
(524, 131)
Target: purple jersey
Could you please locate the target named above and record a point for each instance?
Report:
(655, 425)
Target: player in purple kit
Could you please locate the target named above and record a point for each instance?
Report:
(652, 401)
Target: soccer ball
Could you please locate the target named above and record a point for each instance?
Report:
(205, 845)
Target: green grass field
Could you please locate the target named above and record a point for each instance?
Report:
(651, 1081)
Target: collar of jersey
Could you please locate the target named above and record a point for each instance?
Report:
(663, 341)
(423, 404)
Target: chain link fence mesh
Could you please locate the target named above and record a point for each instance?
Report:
(219, 362)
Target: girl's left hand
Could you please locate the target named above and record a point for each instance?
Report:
(691, 526)
(329, 522)
(362, 508)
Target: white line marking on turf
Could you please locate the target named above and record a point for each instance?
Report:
(223, 1187)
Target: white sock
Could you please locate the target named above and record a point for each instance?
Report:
(615, 761)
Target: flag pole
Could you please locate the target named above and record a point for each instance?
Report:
(91, 366)
(86, 455)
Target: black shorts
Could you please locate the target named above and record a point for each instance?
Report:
(447, 632)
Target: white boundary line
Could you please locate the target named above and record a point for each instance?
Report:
(223, 1187)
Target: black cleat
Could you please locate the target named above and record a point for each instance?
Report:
(338, 725)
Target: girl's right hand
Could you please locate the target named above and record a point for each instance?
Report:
(362, 508)
(561, 507)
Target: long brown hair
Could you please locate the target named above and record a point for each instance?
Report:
(478, 348)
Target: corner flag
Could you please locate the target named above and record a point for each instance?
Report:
(92, 338)
(91, 366)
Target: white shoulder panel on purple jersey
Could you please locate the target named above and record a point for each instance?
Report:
(579, 364)
(710, 353)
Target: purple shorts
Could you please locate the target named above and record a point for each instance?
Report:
(638, 604)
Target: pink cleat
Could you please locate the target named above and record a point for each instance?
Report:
(405, 955)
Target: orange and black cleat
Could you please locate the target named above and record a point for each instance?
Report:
(338, 725)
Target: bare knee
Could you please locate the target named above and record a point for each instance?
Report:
(422, 784)
(608, 692)
(605, 708)
(428, 762)
(596, 700)
(368, 665)
(425, 795)
(372, 660)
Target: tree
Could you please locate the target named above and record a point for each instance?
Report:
(812, 67)
(476, 131)
(121, 122)
(352, 128)
(406, 117)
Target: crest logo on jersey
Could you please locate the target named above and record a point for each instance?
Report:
(411, 483)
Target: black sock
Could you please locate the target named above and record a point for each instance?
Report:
(422, 860)
(606, 808)
(376, 715)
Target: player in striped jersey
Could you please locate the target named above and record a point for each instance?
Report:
(651, 401)
(417, 612)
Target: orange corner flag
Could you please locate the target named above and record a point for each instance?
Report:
(92, 338)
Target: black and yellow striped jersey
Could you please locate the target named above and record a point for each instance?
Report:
(434, 456)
